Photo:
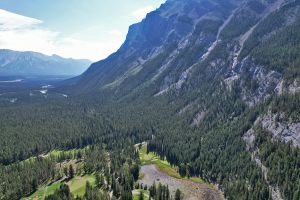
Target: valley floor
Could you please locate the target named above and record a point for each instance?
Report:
(190, 189)
(153, 169)
(156, 170)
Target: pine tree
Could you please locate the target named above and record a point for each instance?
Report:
(34, 185)
(178, 195)
(88, 190)
(71, 172)
(297, 195)
(141, 196)
(167, 193)
(63, 193)
(66, 172)
(152, 190)
(98, 181)
(159, 192)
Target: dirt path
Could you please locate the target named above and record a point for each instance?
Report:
(191, 190)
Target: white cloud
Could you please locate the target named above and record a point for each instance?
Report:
(116, 32)
(141, 13)
(9, 21)
(22, 33)
(93, 50)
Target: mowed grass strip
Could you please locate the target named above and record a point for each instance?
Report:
(44, 191)
(57, 153)
(76, 185)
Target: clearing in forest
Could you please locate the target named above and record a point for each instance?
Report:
(76, 184)
(157, 170)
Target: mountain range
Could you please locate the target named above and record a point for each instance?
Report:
(15, 63)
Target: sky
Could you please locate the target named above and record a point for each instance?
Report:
(81, 29)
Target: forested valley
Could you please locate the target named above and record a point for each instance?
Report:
(215, 154)
(208, 91)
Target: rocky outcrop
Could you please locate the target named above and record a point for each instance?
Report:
(294, 87)
(282, 128)
(249, 138)
(279, 126)
(198, 118)
(184, 75)
(256, 82)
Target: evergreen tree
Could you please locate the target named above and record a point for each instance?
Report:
(141, 196)
(178, 195)
(66, 172)
(34, 185)
(71, 172)
(63, 193)
(100, 180)
(297, 195)
(88, 191)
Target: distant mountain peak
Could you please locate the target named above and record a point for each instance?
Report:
(29, 63)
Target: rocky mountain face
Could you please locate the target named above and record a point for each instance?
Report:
(166, 47)
(160, 41)
(212, 63)
(236, 44)
(14, 63)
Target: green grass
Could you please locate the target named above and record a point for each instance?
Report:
(198, 180)
(136, 194)
(44, 191)
(152, 159)
(141, 176)
(76, 185)
(57, 153)
(164, 166)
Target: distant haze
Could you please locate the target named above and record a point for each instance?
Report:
(14, 63)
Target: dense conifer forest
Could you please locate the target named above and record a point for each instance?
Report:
(214, 151)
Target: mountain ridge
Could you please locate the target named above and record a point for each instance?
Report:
(152, 48)
(134, 63)
(28, 63)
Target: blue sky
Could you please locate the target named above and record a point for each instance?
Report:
(90, 29)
